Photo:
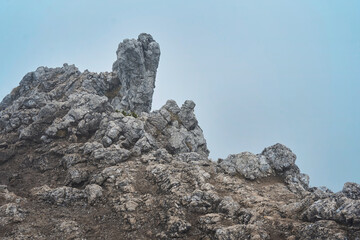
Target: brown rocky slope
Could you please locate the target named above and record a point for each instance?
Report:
(82, 157)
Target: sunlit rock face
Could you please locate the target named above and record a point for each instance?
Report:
(83, 157)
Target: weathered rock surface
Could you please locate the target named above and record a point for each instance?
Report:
(136, 65)
(248, 165)
(352, 190)
(82, 157)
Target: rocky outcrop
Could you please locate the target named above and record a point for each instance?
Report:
(351, 190)
(248, 165)
(83, 157)
(176, 129)
(274, 161)
(136, 65)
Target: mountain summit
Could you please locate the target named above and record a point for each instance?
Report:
(82, 156)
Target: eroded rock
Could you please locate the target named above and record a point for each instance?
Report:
(249, 165)
(83, 157)
(352, 190)
(136, 66)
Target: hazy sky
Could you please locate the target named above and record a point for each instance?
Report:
(260, 72)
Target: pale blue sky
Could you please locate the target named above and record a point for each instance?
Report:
(260, 72)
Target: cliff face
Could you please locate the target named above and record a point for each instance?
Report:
(82, 157)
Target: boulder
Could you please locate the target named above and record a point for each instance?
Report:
(279, 157)
(248, 165)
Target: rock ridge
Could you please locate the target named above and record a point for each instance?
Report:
(82, 156)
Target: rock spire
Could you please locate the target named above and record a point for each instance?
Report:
(136, 66)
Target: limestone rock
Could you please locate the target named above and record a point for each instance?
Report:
(323, 230)
(177, 129)
(136, 66)
(321, 192)
(339, 209)
(83, 157)
(279, 157)
(249, 165)
(58, 196)
(352, 190)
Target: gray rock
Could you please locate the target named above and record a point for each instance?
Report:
(89, 124)
(279, 157)
(58, 196)
(203, 201)
(7, 196)
(145, 144)
(106, 141)
(77, 175)
(228, 206)
(172, 107)
(71, 160)
(136, 66)
(108, 159)
(322, 230)
(191, 157)
(297, 182)
(177, 129)
(133, 129)
(321, 192)
(276, 160)
(113, 132)
(241, 231)
(6, 155)
(322, 209)
(210, 221)
(11, 213)
(94, 192)
(157, 120)
(339, 209)
(177, 227)
(187, 116)
(111, 156)
(352, 190)
(81, 105)
(89, 147)
(249, 165)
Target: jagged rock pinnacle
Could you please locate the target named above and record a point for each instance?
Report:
(136, 65)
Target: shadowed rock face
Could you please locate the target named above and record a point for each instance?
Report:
(82, 157)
